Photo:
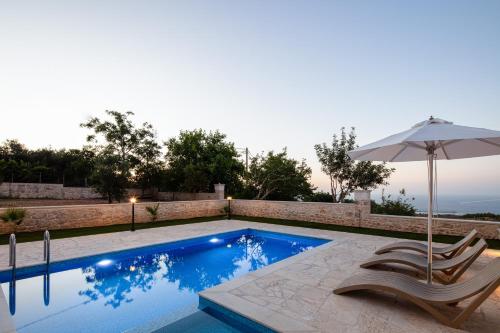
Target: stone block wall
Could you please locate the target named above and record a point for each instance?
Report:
(185, 196)
(80, 216)
(358, 215)
(29, 190)
(349, 214)
(321, 212)
(46, 191)
(440, 226)
(58, 191)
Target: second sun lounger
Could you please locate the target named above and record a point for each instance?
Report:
(445, 271)
(446, 252)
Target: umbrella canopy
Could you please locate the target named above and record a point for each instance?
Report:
(448, 141)
(430, 140)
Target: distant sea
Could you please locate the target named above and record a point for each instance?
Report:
(461, 204)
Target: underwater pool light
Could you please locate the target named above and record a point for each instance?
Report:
(214, 240)
(104, 262)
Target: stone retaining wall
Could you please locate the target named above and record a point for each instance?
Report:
(441, 226)
(46, 191)
(184, 196)
(321, 212)
(58, 191)
(358, 215)
(352, 214)
(80, 216)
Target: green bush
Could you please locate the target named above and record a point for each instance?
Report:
(401, 206)
(12, 214)
(321, 196)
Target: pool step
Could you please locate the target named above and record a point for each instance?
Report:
(199, 322)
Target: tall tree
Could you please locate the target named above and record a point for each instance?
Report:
(276, 176)
(196, 160)
(107, 177)
(81, 166)
(149, 169)
(345, 174)
(119, 146)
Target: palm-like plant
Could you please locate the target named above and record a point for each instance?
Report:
(153, 211)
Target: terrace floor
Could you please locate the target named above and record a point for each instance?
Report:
(294, 295)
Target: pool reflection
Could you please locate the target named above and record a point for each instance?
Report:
(189, 270)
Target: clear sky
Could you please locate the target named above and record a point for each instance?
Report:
(269, 74)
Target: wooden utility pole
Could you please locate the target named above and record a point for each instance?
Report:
(246, 158)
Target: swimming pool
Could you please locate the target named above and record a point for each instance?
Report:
(144, 289)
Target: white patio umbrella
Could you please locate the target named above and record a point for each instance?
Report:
(433, 139)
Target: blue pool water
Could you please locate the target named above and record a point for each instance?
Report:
(145, 289)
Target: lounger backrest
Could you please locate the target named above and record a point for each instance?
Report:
(457, 248)
(468, 258)
(471, 253)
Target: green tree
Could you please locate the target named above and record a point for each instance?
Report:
(18, 163)
(118, 137)
(14, 156)
(107, 177)
(13, 150)
(149, 168)
(40, 170)
(80, 168)
(7, 169)
(345, 174)
(275, 176)
(121, 147)
(196, 160)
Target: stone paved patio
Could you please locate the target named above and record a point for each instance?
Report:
(294, 295)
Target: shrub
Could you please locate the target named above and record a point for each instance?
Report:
(153, 211)
(319, 196)
(401, 206)
(15, 215)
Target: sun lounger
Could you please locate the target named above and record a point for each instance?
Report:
(427, 296)
(446, 252)
(445, 271)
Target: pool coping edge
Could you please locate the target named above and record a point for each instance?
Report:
(221, 296)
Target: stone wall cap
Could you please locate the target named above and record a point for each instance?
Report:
(297, 202)
(113, 204)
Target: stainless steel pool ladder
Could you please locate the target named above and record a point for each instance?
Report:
(12, 251)
(46, 246)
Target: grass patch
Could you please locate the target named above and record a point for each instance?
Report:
(65, 233)
(492, 243)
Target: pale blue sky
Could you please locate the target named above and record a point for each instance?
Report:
(267, 73)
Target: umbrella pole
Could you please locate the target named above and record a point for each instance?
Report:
(430, 164)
